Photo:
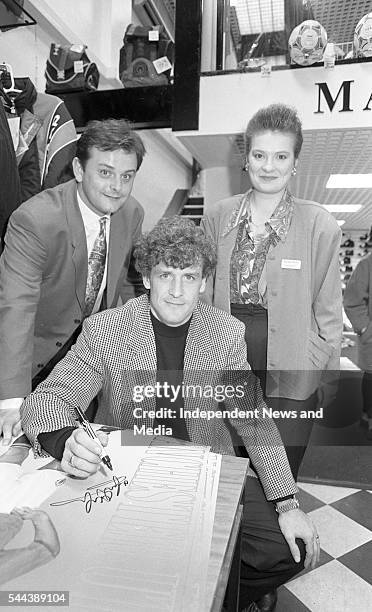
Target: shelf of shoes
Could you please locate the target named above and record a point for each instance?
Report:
(355, 244)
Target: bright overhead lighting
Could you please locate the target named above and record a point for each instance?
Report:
(340, 208)
(351, 181)
(340, 221)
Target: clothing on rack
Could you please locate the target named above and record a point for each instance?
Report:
(10, 191)
(47, 140)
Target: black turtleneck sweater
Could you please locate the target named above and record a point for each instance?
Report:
(170, 349)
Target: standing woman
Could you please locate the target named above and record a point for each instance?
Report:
(278, 272)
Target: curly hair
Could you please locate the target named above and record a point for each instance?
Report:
(275, 118)
(109, 135)
(177, 242)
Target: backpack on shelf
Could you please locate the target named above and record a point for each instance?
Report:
(68, 69)
(146, 56)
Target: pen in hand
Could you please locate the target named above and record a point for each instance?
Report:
(90, 431)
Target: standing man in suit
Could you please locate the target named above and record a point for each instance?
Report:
(67, 253)
(173, 338)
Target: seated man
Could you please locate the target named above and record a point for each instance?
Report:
(171, 330)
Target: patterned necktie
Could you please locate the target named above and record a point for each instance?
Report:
(96, 268)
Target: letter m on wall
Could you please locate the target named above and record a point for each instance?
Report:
(325, 95)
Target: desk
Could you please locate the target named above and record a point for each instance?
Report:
(225, 548)
(120, 578)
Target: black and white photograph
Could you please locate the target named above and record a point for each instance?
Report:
(186, 305)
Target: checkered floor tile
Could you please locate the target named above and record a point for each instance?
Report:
(342, 582)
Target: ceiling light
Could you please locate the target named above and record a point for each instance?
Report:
(345, 181)
(340, 221)
(340, 208)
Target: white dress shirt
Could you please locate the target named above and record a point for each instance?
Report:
(91, 226)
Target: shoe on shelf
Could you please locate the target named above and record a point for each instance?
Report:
(348, 243)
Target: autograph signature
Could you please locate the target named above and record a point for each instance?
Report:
(103, 492)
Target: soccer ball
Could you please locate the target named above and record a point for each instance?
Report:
(307, 43)
(363, 37)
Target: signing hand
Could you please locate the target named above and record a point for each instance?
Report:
(82, 455)
(10, 419)
(296, 524)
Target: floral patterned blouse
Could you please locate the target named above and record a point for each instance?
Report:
(248, 259)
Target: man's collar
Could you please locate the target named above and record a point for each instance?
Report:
(89, 216)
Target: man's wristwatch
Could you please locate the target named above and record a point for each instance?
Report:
(288, 504)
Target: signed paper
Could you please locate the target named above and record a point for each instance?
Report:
(137, 539)
(98, 493)
(78, 530)
(154, 552)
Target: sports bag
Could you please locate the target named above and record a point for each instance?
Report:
(68, 68)
(146, 56)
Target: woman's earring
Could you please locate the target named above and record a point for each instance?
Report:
(246, 166)
(294, 171)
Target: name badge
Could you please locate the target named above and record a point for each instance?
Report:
(291, 264)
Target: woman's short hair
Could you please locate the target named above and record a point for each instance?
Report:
(177, 242)
(275, 118)
(109, 135)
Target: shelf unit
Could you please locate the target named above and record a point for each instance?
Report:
(350, 255)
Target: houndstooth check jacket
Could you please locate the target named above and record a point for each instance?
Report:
(116, 350)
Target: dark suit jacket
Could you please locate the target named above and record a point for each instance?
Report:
(43, 272)
(116, 351)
